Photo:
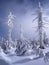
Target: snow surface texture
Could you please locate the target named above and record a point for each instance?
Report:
(12, 59)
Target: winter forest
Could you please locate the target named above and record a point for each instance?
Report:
(24, 32)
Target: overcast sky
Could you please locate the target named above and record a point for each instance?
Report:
(23, 10)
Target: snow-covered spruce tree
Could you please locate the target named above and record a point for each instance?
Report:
(20, 48)
(45, 40)
(3, 46)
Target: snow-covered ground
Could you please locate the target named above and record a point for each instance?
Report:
(12, 59)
